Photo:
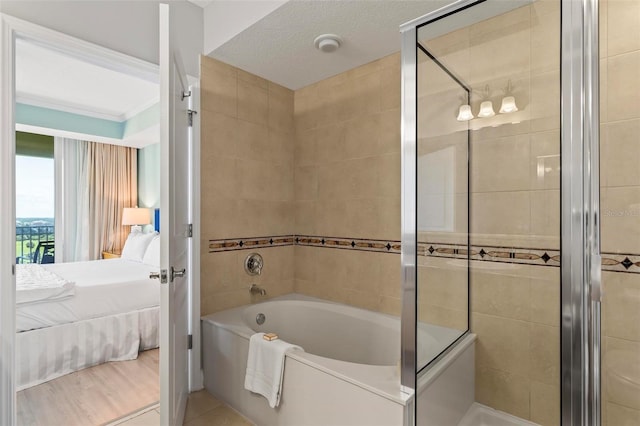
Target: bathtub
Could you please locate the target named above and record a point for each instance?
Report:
(348, 373)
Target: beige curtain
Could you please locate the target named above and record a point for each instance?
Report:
(112, 186)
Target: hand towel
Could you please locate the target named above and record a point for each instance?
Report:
(265, 367)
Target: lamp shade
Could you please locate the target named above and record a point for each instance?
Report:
(135, 216)
(464, 113)
(486, 109)
(508, 105)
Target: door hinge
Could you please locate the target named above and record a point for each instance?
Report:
(190, 341)
(190, 113)
(190, 230)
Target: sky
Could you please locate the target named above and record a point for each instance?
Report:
(35, 187)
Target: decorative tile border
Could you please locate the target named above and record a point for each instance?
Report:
(527, 256)
(382, 246)
(614, 262)
(231, 244)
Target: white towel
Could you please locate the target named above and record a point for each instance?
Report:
(265, 367)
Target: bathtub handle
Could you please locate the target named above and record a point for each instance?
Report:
(253, 264)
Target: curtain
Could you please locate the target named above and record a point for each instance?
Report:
(72, 215)
(99, 181)
(112, 176)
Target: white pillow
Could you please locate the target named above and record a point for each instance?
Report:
(152, 255)
(136, 245)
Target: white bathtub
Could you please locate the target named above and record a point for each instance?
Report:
(348, 374)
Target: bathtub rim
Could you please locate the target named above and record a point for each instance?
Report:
(360, 375)
(440, 363)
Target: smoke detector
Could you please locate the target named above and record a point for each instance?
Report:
(328, 43)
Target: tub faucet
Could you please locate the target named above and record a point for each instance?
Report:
(254, 289)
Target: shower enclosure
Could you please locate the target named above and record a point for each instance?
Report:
(520, 118)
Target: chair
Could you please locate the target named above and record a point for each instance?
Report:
(45, 252)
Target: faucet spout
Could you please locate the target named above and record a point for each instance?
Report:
(254, 289)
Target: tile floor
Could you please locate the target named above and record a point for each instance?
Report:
(202, 409)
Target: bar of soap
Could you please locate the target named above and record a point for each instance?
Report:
(270, 336)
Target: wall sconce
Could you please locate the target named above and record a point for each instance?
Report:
(135, 217)
(508, 102)
(486, 107)
(464, 113)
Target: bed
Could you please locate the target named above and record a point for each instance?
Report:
(70, 316)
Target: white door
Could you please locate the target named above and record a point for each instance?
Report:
(174, 225)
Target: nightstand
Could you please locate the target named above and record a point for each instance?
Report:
(110, 254)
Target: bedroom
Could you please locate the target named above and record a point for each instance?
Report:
(73, 200)
(125, 32)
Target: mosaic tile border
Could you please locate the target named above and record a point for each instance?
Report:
(232, 244)
(486, 253)
(361, 244)
(617, 262)
(614, 262)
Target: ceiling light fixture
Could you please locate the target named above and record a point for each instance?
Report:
(328, 43)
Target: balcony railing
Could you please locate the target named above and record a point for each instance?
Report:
(28, 238)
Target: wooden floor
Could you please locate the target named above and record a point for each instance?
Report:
(93, 396)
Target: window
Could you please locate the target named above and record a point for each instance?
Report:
(35, 198)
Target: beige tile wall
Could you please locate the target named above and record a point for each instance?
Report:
(347, 183)
(620, 206)
(247, 185)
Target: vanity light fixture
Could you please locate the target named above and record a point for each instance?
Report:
(508, 102)
(486, 110)
(464, 113)
(486, 107)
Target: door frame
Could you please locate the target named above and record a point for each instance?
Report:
(12, 28)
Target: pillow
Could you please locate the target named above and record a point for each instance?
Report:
(136, 245)
(152, 255)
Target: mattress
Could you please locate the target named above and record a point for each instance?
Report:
(102, 287)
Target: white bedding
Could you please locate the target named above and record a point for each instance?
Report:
(102, 287)
(34, 284)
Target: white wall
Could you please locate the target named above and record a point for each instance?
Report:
(224, 19)
(129, 27)
(149, 176)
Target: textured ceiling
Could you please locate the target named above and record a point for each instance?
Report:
(280, 46)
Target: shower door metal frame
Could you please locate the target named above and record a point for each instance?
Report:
(580, 207)
(409, 125)
(580, 215)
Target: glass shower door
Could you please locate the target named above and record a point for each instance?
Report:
(488, 198)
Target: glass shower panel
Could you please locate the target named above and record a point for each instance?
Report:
(442, 209)
(503, 239)
(620, 210)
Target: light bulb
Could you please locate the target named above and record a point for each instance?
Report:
(486, 109)
(508, 105)
(464, 113)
